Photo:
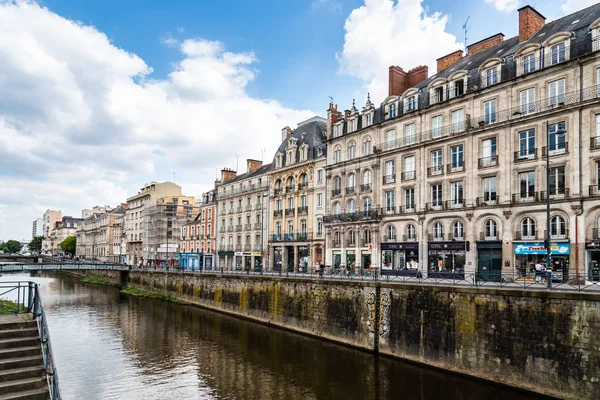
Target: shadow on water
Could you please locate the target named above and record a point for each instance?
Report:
(112, 345)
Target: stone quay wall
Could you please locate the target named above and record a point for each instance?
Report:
(547, 342)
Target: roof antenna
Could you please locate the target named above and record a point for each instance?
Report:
(466, 29)
(173, 177)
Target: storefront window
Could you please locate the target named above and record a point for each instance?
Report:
(303, 259)
(337, 260)
(400, 259)
(530, 260)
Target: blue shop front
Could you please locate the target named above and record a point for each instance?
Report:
(190, 261)
(528, 255)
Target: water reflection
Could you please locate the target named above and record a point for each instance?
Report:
(111, 346)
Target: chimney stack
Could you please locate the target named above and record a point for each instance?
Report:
(253, 165)
(227, 174)
(399, 81)
(217, 183)
(530, 21)
(285, 133)
(332, 116)
(485, 43)
(448, 60)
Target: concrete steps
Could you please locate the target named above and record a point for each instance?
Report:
(22, 374)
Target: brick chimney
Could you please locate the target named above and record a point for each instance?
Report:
(217, 183)
(397, 81)
(253, 165)
(530, 21)
(332, 116)
(448, 60)
(285, 133)
(227, 174)
(417, 75)
(485, 43)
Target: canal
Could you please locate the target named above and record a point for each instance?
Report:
(112, 346)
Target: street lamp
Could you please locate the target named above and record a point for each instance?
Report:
(557, 131)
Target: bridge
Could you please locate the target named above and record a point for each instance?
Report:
(62, 266)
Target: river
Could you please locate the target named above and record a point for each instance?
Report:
(108, 345)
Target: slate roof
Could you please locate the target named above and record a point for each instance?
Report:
(312, 133)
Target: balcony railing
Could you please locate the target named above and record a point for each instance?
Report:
(257, 206)
(290, 212)
(290, 189)
(595, 233)
(257, 247)
(247, 227)
(365, 187)
(409, 209)
(230, 228)
(302, 186)
(239, 209)
(277, 192)
(389, 238)
(336, 245)
(277, 213)
(372, 214)
(408, 175)
(556, 150)
(247, 247)
(435, 170)
(489, 200)
(391, 210)
(556, 194)
(238, 228)
(489, 236)
(594, 190)
(276, 237)
(231, 210)
(531, 197)
(249, 207)
(456, 236)
(435, 206)
(389, 178)
(304, 236)
(406, 238)
(456, 167)
(288, 237)
(238, 247)
(486, 162)
(257, 225)
(559, 235)
(526, 235)
(455, 204)
(350, 190)
(525, 155)
(229, 247)
(336, 193)
(595, 143)
(435, 237)
(302, 210)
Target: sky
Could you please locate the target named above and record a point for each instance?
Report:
(100, 97)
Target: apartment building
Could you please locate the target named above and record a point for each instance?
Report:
(37, 228)
(197, 250)
(456, 166)
(296, 237)
(50, 218)
(97, 236)
(134, 221)
(241, 211)
(64, 228)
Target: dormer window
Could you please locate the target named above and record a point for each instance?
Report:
(290, 157)
(392, 110)
(459, 88)
(528, 63)
(303, 153)
(278, 160)
(337, 130)
(352, 125)
(438, 94)
(491, 76)
(410, 104)
(368, 119)
(557, 53)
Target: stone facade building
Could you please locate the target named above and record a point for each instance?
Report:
(296, 237)
(241, 210)
(50, 218)
(451, 167)
(198, 239)
(97, 236)
(64, 228)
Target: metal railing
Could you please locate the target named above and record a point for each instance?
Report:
(29, 300)
(485, 162)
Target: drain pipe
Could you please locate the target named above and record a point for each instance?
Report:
(580, 208)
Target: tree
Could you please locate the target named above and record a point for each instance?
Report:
(68, 245)
(35, 246)
(12, 246)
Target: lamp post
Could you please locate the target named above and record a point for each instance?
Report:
(547, 244)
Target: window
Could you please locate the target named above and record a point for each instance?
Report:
(438, 94)
(366, 237)
(558, 227)
(556, 92)
(528, 63)
(557, 138)
(303, 226)
(527, 144)
(303, 182)
(557, 53)
(389, 202)
(409, 198)
(392, 110)
(411, 232)
(290, 229)
(489, 112)
(390, 137)
(319, 199)
(411, 103)
(320, 174)
(368, 119)
(458, 230)
(409, 134)
(351, 238)
(436, 195)
(337, 130)
(459, 88)
(319, 226)
(489, 151)
(527, 184)
(351, 151)
(597, 126)
(303, 201)
(389, 171)
(489, 189)
(391, 233)
(456, 193)
(337, 183)
(366, 177)
(351, 206)
(436, 126)
(458, 121)
(491, 76)
(351, 181)
(337, 240)
(527, 101)
(337, 155)
(456, 156)
(366, 147)
(490, 228)
(278, 204)
(409, 167)
(438, 231)
(291, 202)
(367, 204)
(557, 181)
(352, 125)
(290, 157)
(337, 208)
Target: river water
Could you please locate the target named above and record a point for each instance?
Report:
(112, 346)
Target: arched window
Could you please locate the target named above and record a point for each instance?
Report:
(278, 185)
(367, 204)
(490, 229)
(390, 233)
(366, 237)
(351, 151)
(366, 180)
(558, 226)
(458, 230)
(411, 232)
(438, 231)
(337, 183)
(337, 241)
(304, 180)
(351, 206)
(351, 239)
(366, 146)
(337, 154)
(337, 208)
(351, 181)
(291, 183)
(527, 228)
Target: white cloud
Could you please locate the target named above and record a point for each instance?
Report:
(384, 32)
(84, 123)
(570, 6)
(330, 4)
(504, 5)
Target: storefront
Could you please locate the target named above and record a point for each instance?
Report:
(239, 260)
(489, 261)
(351, 260)
(446, 260)
(209, 261)
(400, 259)
(528, 255)
(592, 251)
(277, 258)
(303, 258)
(190, 261)
(225, 260)
(365, 260)
(336, 259)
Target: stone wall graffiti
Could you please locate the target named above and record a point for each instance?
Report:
(384, 305)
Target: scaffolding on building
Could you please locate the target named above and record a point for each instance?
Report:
(162, 224)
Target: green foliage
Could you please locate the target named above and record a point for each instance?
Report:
(10, 307)
(99, 281)
(12, 246)
(149, 294)
(35, 246)
(68, 245)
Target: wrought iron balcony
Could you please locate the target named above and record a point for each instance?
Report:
(257, 247)
(249, 207)
(336, 193)
(304, 236)
(277, 192)
(257, 226)
(336, 244)
(409, 209)
(556, 150)
(408, 175)
(247, 227)
(435, 170)
(486, 162)
(489, 236)
(406, 238)
(302, 186)
(290, 212)
(391, 210)
(525, 155)
(595, 143)
(302, 210)
(231, 211)
(556, 194)
(288, 237)
(435, 206)
(594, 190)
(277, 213)
(435, 237)
(389, 238)
(389, 178)
(455, 204)
(238, 228)
(489, 200)
(365, 187)
(276, 237)
(455, 167)
(558, 235)
(247, 247)
(257, 206)
(230, 228)
(290, 189)
(229, 247)
(531, 197)
(370, 215)
(526, 235)
(239, 209)
(457, 237)
(350, 190)
(238, 247)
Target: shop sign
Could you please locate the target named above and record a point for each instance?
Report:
(401, 246)
(239, 253)
(256, 253)
(336, 252)
(226, 253)
(350, 251)
(247, 253)
(538, 248)
(461, 246)
(367, 252)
